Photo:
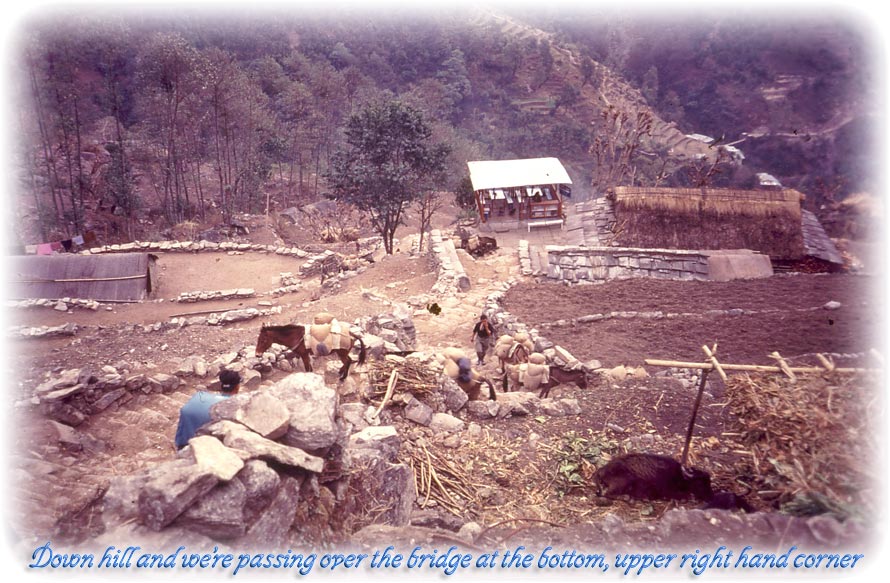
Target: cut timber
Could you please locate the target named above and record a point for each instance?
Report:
(751, 367)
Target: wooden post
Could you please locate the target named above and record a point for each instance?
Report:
(713, 360)
(784, 366)
(828, 364)
(701, 390)
(393, 377)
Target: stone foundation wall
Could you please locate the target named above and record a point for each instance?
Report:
(592, 264)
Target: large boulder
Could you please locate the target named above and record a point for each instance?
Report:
(260, 412)
(312, 407)
(260, 487)
(218, 514)
(212, 456)
(270, 530)
(173, 487)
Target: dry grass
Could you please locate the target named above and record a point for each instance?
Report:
(718, 202)
(811, 444)
(695, 218)
(777, 233)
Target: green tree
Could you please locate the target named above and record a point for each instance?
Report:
(387, 164)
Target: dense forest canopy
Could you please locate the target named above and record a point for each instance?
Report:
(140, 119)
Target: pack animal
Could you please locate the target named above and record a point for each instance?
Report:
(508, 350)
(471, 382)
(647, 476)
(460, 368)
(560, 376)
(293, 337)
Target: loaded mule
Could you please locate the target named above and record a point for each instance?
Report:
(325, 336)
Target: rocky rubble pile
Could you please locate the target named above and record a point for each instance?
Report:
(61, 305)
(43, 331)
(74, 394)
(268, 462)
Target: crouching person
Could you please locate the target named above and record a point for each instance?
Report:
(196, 412)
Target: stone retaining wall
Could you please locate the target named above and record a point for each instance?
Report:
(451, 276)
(363, 247)
(591, 264)
(194, 247)
(203, 296)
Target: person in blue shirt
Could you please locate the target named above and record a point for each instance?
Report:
(196, 412)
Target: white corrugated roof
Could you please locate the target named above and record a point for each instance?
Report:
(511, 173)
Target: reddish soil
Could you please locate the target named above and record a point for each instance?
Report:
(790, 318)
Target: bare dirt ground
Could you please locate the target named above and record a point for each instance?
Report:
(520, 461)
(789, 318)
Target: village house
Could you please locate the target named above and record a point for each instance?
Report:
(511, 194)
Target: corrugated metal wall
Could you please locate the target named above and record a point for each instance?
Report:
(117, 277)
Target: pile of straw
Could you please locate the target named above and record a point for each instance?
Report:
(810, 444)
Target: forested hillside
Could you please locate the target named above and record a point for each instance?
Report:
(134, 123)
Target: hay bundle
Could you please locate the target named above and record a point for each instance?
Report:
(502, 346)
(810, 442)
(506, 347)
(686, 218)
(524, 339)
(453, 356)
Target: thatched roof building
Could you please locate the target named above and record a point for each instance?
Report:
(768, 221)
(108, 277)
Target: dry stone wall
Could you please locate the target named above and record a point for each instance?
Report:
(596, 264)
(451, 276)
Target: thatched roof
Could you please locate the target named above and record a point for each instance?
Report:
(488, 174)
(111, 277)
(768, 221)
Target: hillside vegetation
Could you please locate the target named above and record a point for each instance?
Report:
(134, 123)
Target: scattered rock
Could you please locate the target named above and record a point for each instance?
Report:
(445, 422)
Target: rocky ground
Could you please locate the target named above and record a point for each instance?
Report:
(524, 462)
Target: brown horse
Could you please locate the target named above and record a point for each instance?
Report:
(293, 336)
(560, 376)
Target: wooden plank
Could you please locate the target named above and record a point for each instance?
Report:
(829, 366)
